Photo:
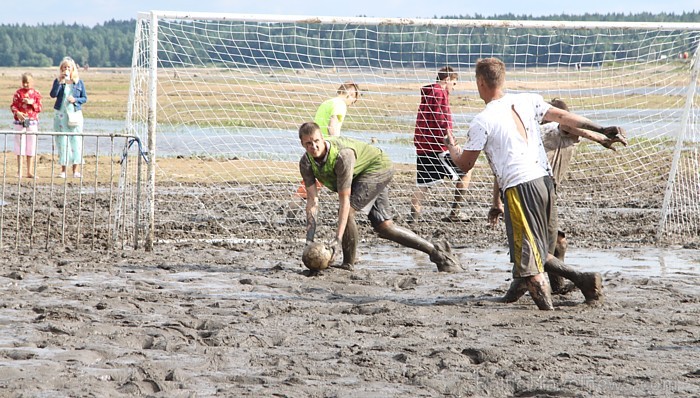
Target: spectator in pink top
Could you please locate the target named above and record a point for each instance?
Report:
(433, 162)
(26, 105)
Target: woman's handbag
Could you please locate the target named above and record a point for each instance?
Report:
(75, 117)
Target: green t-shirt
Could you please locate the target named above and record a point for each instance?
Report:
(333, 171)
(334, 106)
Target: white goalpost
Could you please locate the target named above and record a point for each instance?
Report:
(218, 99)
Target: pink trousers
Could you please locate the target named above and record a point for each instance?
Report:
(25, 144)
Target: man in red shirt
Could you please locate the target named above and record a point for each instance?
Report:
(433, 162)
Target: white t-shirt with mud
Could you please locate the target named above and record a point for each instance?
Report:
(560, 147)
(513, 159)
(553, 138)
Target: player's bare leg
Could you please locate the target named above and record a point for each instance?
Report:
(460, 196)
(440, 253)
(416, 200)
(539, 289)
(559, 285)
(389, 230)
(590, 283)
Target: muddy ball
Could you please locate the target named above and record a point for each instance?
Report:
(316, 256)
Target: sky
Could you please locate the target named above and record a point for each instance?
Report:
(92, 12)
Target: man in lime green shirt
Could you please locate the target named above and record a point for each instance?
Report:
(331, 113)
(360, 173)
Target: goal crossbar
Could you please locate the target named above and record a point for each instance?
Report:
(307, 19)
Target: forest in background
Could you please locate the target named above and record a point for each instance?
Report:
(104, 45)
(111, 44)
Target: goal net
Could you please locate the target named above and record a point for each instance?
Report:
(218, 98)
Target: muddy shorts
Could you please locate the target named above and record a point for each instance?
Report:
(432, 167)
(531, 225)
(370, 195)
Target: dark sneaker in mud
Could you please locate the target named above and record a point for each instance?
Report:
(591, 285)
(444, 259)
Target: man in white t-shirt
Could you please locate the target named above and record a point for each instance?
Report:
(559, 144)
(507, 130)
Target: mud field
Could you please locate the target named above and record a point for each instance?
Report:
(243, 319)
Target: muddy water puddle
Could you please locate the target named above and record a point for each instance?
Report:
(641, 262)
(485, 270)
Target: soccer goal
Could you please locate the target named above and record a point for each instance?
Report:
(218, 99)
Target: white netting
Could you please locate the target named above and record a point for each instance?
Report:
(231, 93)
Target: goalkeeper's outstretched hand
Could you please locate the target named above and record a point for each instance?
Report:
(614, 134)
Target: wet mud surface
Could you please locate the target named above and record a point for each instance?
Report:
(227, 318)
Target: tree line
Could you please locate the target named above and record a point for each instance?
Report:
(285, 45)
(105, 45)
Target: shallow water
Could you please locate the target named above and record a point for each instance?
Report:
(646, 262)
(274, 144)
(486, 270)
(649, 262)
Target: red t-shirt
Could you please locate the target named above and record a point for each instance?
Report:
(434, 119)
(32, 111)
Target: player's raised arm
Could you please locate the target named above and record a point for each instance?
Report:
(573, 121)
(595, 137)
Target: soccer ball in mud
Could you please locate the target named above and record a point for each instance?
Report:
(316, 256)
